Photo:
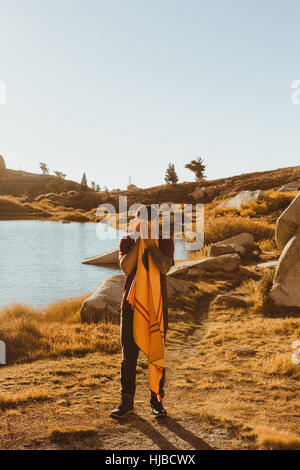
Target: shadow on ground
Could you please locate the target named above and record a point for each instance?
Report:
(172, 425)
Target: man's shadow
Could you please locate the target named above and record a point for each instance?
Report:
(172, 425)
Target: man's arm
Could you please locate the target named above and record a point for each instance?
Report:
(162, 261)
(128, 262)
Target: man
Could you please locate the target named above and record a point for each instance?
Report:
(161, 252)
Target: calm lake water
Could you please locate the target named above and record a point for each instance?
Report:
(40, 261)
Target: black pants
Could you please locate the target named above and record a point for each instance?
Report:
(130, 353)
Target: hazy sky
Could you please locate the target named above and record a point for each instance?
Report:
(123, 87)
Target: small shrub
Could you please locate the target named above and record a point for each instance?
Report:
(263, 303)
(281, 365)
(220, 228)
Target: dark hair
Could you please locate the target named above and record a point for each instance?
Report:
(147, 212)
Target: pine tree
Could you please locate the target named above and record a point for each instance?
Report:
(60, 175)
(171, 175)
(198, 167)
(83, 183)
(44, 168)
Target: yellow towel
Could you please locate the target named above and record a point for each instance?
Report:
(148, 322)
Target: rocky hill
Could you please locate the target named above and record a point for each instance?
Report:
(189, 192)
(21, 183)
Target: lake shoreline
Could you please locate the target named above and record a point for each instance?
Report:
(42, 260)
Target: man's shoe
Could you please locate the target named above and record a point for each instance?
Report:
(124, 409)
(158, 411)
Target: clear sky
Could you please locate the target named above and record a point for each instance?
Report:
(123, 87)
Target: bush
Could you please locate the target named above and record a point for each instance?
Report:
(220, 228)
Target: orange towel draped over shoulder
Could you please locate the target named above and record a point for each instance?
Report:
(148, 322)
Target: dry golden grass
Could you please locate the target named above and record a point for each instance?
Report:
(9, 203)
(249, 389)
(276, 202)
(268, 245)
(53, 332)
(272, 439)
(11, 206)
(220, 228)
(225, 222)
(281, 365)
(14, 207)
(33, 394)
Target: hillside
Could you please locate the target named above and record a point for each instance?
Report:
(20, 183)
(181, 192)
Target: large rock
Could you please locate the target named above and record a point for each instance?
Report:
(110, 257)
(268, 265)
(104, 304)
(241, 244)
(294, 186)
(285, 290)
(219, 250)
(243, 197)
(288, 223)
(226, 263)
(2, 163)
(231, 301)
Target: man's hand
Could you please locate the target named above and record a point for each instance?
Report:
(128, 262)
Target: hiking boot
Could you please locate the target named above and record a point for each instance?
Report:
(124, 409)
(158, 411)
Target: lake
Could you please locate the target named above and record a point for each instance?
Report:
(40, 261)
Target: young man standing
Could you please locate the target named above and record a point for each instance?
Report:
(161, 252)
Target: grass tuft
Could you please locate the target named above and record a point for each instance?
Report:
(272, 439)
(13, 400)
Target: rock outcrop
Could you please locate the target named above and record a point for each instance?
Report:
(104, 304)
(288, 223)
(234, 301)
(226, 263)
(243, 197)
(268, 265)
(294, 186)
(241, 244)
(110, 257)
(286, 285)
(2, 164)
